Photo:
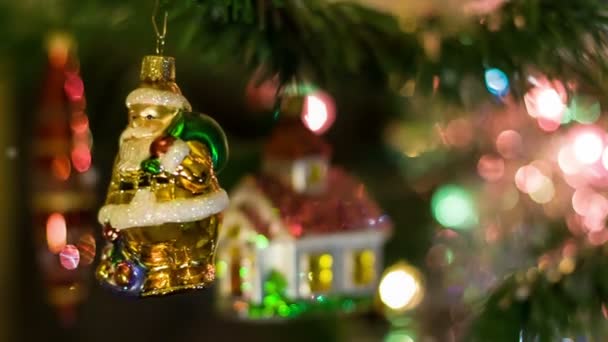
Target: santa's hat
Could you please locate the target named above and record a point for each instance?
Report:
(158, 85)
(151, 96)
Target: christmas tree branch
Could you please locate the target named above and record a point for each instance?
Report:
(562, 295)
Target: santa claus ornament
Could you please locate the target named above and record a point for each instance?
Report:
(164, 203)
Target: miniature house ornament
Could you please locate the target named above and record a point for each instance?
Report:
(302, 236)
(164, 203)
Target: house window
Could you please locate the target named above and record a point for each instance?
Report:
(364, 267)
(235, 273)
(240, 270)
(320, 272)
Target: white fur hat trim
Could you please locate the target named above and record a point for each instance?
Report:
(150, 96)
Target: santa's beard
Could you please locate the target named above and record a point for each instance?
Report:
(135, 147)
(140, 132)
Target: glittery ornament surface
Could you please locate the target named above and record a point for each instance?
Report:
(174, 156)
(202, 128)
(164, 203)
(151, 96)
(145, 210)
(343, 206)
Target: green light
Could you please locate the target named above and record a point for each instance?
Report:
(398, 336)
(449, 256)
(584, 109)
(567, 116)
(271, 300)
(222, 266)
(284, 310)
(453, 207)
(243, 272)
(245, 286)
(348, 305)
(261, 241)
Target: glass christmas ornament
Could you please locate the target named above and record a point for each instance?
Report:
(164, 204)
(302, 236)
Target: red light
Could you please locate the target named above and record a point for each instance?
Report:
(60, 167)
(81, 157)
(73, 86)
(56, 232)
(491, 168)
(296, 229)
(80, 123)
(319, 113)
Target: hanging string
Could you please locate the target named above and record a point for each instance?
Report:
(160, 36)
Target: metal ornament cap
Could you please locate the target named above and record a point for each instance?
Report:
(156, 68)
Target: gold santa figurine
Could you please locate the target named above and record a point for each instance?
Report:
(164, 203)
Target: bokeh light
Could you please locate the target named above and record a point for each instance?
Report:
(529, 179)
(509, 144)
(567, 161)
(497, 82)
(56, 232)
(61, 168)
(58, 45)
(459, 133)
(80, 124)
(401, 288)
(545, 103)
(399, 336)
(545, 193)
(453, 207)
(319, 113)
(605, 158)
(583, 109)
(81, 157)
(588, 147)
(585, 201)
(73, 86)
(69, 257)
(548, 125)
(491, 168)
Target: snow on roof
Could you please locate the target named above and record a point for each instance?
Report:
(344, 206)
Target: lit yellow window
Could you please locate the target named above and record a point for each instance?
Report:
(365, 268)
(321, 274)
(315, 174)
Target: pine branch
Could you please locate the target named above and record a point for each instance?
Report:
(329, 39)
(547, 303)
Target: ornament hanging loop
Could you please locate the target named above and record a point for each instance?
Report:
(160, 36)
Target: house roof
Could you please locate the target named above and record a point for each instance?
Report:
(344, 206)
(292, 140)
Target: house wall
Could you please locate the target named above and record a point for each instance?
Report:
(280, 256)
(342, 248)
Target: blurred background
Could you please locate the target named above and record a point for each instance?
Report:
(485, 148)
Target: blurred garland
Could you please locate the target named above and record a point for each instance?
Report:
(563, 297)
